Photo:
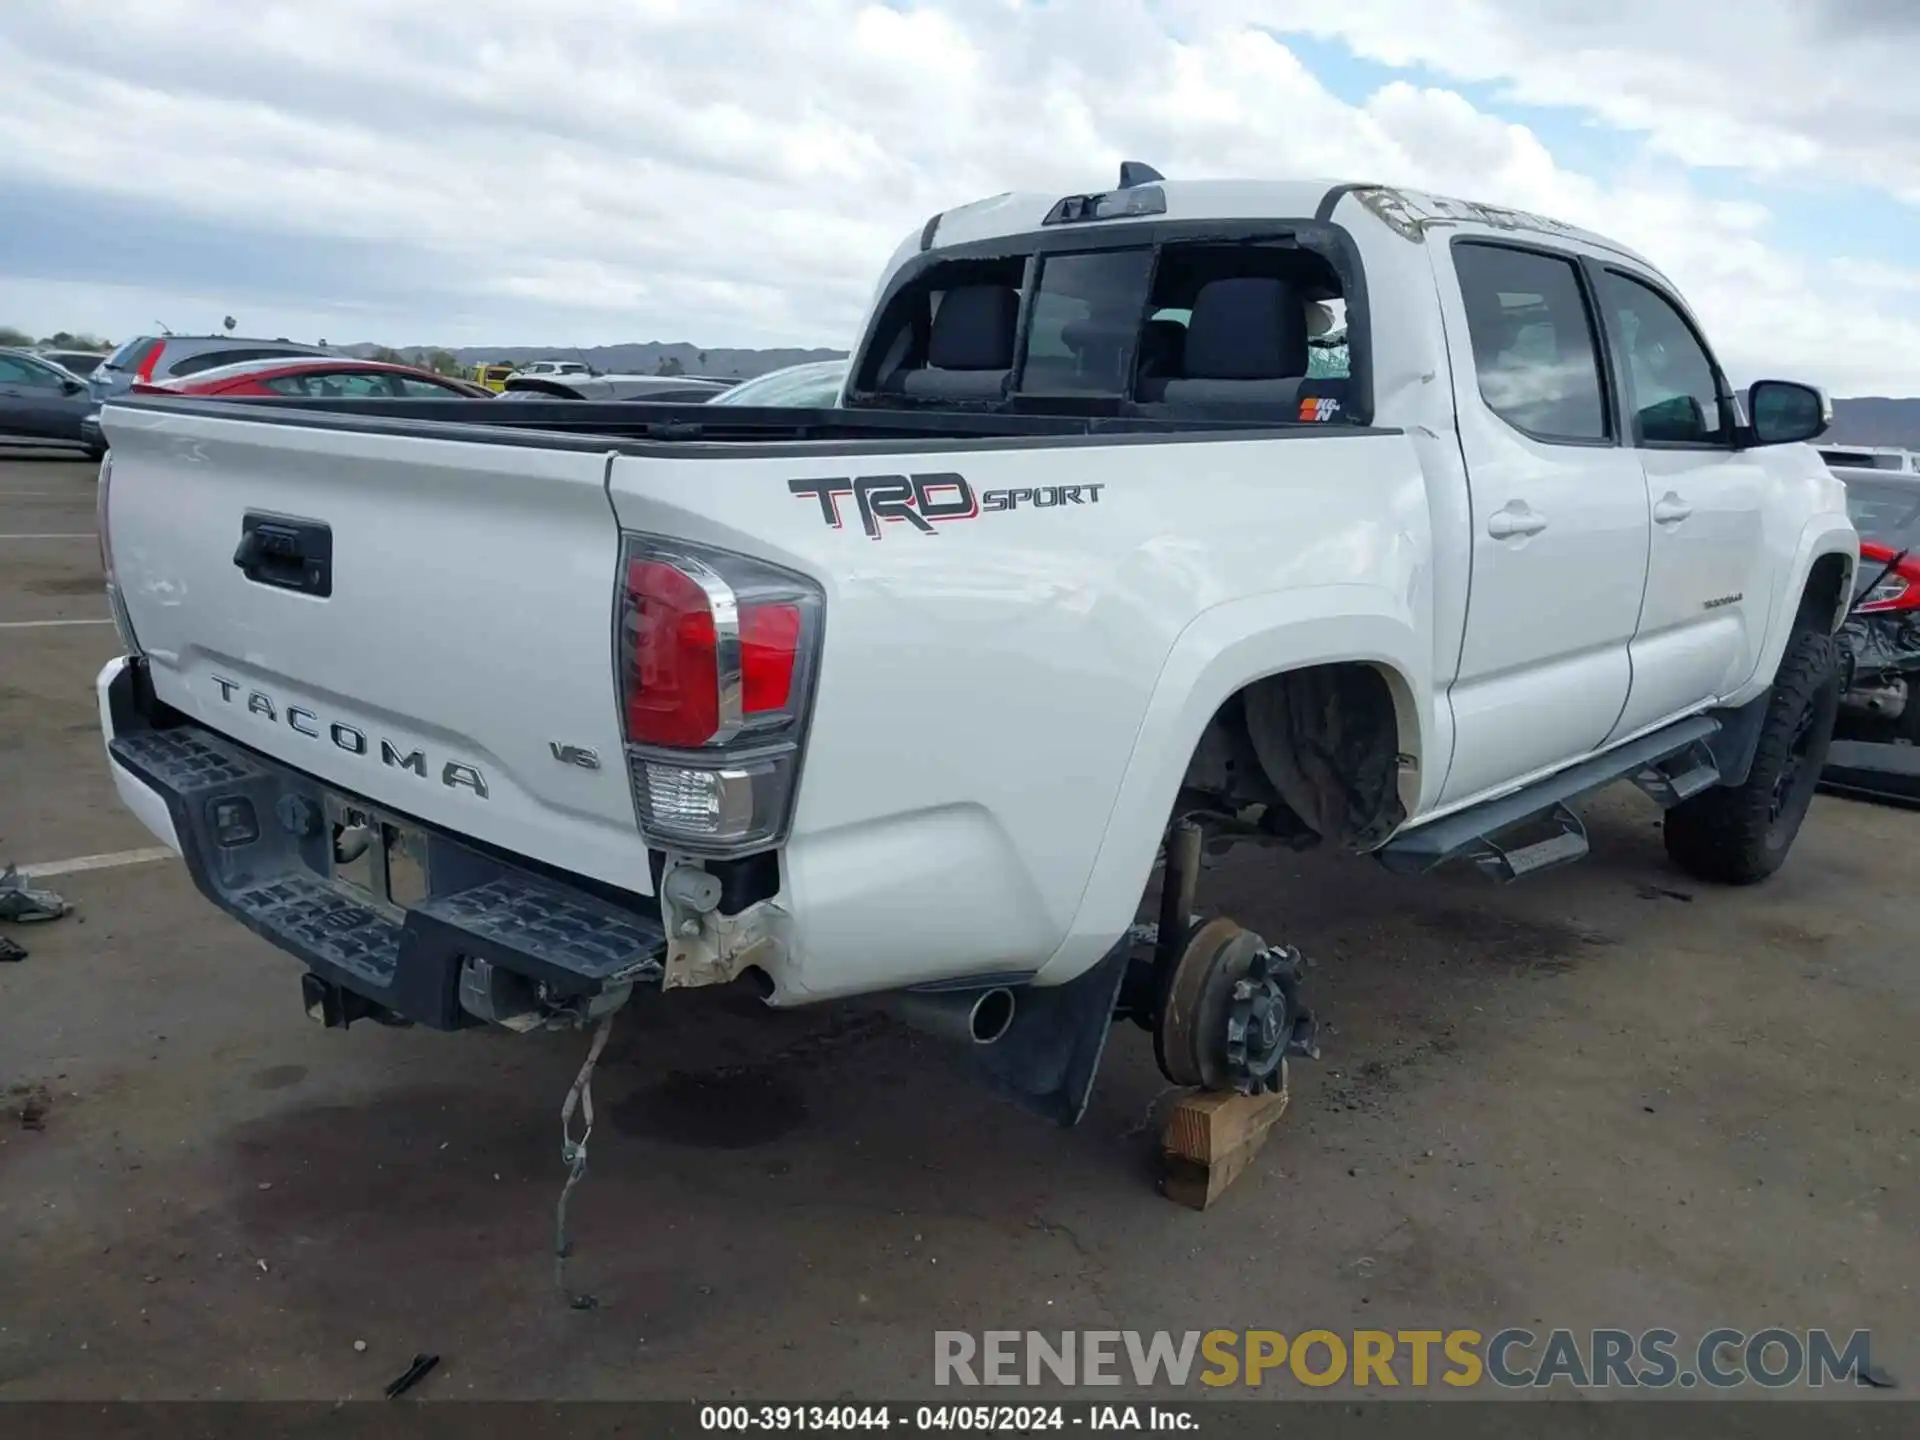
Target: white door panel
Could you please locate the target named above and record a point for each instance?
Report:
(1710, 574)
(1522, 720)
(1560, 519)
(1709, 577)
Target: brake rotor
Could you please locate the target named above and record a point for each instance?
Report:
(1231, 1012)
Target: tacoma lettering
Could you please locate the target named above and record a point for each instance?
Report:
(454, 774)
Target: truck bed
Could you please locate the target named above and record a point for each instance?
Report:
(641, 422)
(1003, 595)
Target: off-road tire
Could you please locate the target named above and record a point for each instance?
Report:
(1740, 834)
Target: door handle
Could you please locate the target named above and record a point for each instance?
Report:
(286, 554)
(1515, 519)
(1670, 509)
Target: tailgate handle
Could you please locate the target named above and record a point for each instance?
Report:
(286, 554)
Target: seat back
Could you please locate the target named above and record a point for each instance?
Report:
(970, 346)
(1246, 344)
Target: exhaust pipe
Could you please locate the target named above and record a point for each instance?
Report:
(972, 1017)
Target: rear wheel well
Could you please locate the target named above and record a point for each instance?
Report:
(1306, 755)
(1825, 595)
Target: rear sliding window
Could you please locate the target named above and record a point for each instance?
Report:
(1086, 318)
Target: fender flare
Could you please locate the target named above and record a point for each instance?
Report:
(1829, 533)
(1223, 649)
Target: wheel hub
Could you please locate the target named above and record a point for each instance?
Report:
(1230, 1013)
(1260, 1021)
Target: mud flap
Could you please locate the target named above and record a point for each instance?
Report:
(1046, 1061)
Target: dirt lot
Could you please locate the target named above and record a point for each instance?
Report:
(1605, 1097)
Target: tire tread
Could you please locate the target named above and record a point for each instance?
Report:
(1721, 834)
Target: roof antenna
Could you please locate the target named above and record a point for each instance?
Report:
(1137, 172)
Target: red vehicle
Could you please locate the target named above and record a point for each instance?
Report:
(318, 375)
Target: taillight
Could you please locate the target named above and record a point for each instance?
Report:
(716, 656)
(1897, 589)
(673, 674)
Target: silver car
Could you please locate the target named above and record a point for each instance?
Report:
(811, 385)
(170, 357)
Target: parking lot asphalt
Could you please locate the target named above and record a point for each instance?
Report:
(1608, 1096)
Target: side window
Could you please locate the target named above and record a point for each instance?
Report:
(13, 372)
(356, 384)
(1533, 342)
(1675, 396)
(1086, 316)
(413, 389)
(350, 384)
(34, 377)
(211, 359)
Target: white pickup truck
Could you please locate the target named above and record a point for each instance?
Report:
(503, 711)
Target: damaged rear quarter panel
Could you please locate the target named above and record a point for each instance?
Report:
(984, 681)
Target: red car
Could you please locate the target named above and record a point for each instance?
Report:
(335, 377)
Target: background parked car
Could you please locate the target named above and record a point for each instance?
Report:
(81, 362)
(667, 389)
(39, 398)
(492, 377)
(331, 376)
(297, 375)
(812, 385)
(556, 367)
(1882, 636)
(169, 357)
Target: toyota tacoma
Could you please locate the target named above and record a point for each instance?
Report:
(1153, 519)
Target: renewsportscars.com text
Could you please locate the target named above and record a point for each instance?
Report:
(1514, 1358)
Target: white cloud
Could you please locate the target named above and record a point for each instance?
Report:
(735, 173)
(1813, 88)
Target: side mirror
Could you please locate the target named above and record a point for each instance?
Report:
(72, 387)
(1784, 412)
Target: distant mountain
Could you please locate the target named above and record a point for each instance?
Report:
(1875, 420)
(625, 359)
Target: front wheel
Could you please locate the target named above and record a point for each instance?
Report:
(1740, 834)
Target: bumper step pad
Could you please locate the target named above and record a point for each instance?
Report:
(274, 882)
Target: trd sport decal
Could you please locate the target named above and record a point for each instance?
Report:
(924, 501)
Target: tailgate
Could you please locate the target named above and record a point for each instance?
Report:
(424, 622)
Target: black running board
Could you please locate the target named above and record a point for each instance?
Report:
(1533, 830)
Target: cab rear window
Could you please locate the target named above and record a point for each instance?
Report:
(1254, 327)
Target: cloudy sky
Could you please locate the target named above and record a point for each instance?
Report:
(733, 172)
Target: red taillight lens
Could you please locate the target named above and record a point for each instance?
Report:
(1898, 589)
(717, 655)
(769, 643)
(673, 684)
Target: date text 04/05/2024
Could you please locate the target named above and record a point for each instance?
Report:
(1015, 1419)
